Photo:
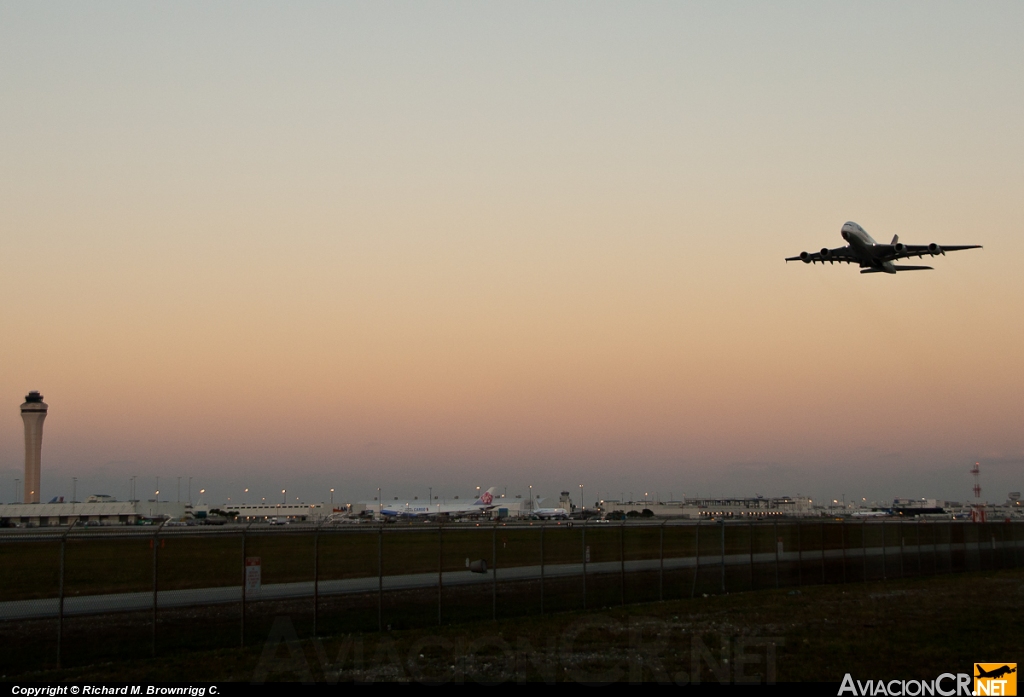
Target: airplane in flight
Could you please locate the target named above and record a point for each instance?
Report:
(453, 510)
(873, 257)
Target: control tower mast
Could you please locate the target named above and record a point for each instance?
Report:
(33, 412)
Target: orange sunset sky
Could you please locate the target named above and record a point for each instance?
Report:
(312, 245)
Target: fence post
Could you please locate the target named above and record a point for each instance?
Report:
(696, 561)
(864, 548)
(494, 571)
(440, 568)
(584, 536)
(750, 539)
(799, 555)
(622, 562)
(949, 548)
(822, 540)
(918, 528)
(156, 549)
(380, 577)
(842, 537)
(542, 526)
(723, 555)
(316, 574)
(60, 595)
(661, 568)
(242, 621)
(899, 528)
(884, 570)
(775, 534)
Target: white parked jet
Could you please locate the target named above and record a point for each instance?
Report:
(874, 257)
(551, 514)
(425, 510)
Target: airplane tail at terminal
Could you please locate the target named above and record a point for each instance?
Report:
(486, 498)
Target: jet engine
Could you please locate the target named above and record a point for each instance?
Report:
(825, 253)
(934, 249)
(805, 257)
(900, 247)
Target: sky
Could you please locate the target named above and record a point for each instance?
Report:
(309, 245)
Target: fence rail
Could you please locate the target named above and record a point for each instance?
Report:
(80, 595)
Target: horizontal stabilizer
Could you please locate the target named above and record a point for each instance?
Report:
(898, 268)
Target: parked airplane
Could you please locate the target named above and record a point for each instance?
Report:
(551, 514)
(419, 510)
(873, 257)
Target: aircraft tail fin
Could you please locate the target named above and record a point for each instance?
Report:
(486, 498)
(895, 239)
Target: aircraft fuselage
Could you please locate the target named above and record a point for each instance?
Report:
(864, 247)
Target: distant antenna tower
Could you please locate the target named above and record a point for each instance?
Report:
(978, 514)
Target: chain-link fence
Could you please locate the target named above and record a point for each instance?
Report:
(83, 595)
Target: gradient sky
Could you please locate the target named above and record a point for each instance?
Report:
(350, 245)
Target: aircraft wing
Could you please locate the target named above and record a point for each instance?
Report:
(904, 251)
(843, 255)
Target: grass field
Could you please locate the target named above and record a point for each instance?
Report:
(899, 629)
(104, 563)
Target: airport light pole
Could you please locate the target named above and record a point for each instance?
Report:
(531, 498)
(284, 501)
(582, 506)
(17, 487)
(190, 491)
(332, 500)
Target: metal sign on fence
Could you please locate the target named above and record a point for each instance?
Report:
(253, 574)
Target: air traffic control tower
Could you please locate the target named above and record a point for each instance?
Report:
(33, 411)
